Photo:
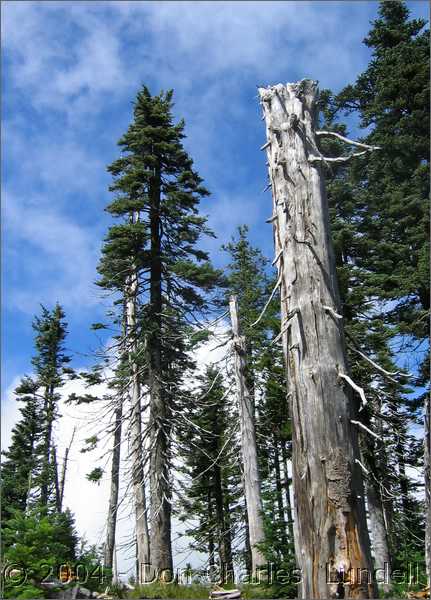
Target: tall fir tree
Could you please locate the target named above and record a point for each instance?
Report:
(379, 212)
(49, 364)
(153, 258)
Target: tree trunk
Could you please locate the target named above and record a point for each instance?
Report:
(331, 532)
(161, 551)
(55, 478)
(279, 494)
(403, 480)
(427, 452)
(252, 488)
(49, 416)
(211, 548)
(379, 536)
(287, 495)
(223, 533)
(228, 536)
(109, 549)
(136, 449)
(64, 469)
(247, 545)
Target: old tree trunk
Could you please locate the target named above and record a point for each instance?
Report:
(161, 549)
(136, 447)
(111, 525)
(251, 477)
(332, 541)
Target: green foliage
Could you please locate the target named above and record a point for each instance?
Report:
(154, 161)
(392, 187)
(36, 543)
(171, 590)
(379, 217)
(95, 475)
(20, 463)
(91, 444)
(210, 487)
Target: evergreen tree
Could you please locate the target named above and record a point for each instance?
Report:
(379, 211)
(153, 253)
(37, 543)
(392, 189)
(210, 487)
(247, 279)
(49, 364)
(20, 463)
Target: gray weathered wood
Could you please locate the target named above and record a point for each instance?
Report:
(380, 544)
(251, 477)
(136, 448)
(111, 523)
(330, 523)
(64, 468)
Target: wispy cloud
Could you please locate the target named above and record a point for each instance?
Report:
(60, 257)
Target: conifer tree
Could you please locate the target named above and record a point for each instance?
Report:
(391, 98)
(380, 218)
(152, 258)
(49, 364)
(20, 463)
(209, 493)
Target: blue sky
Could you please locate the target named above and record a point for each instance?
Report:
(70, 73)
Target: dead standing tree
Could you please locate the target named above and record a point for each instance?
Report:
(331, 530)
(251, 477)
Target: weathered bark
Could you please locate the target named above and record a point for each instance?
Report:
(161, 550)
(382, 561)
(374, 457)
(287, 494)
(136, 449)
(111, 525)
(279, 494)
(331, 530)
(252, 489)
(427, 452)
(64, 469)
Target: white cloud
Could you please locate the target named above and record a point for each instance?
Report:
(69, 64)
(60, 260)
(89, 501)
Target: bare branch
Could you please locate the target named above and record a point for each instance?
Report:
(359, 424)
(356, 387)
(347, 140)
(338, 159)
(277, 285)
(365, 470)
(332, 312)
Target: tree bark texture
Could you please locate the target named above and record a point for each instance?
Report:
(332, 539)
(287, 493)
(252, 487)
(136, 447)
(161, 550)
(379, 535)
(279, 495)
(111, 524)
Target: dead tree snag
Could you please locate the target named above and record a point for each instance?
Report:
(332, 542)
